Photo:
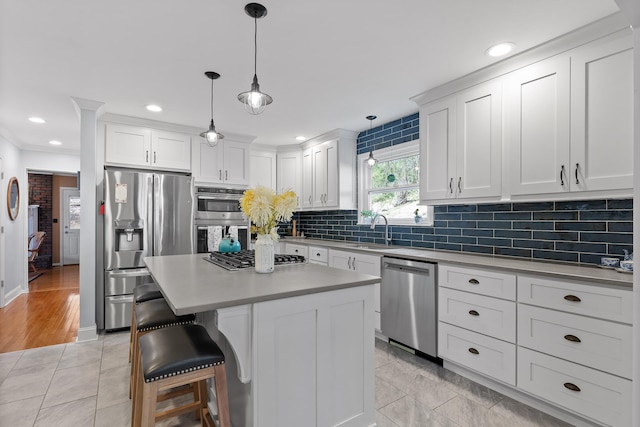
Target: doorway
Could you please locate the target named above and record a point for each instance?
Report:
(70, 227)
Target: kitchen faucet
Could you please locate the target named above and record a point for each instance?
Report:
(387, 238)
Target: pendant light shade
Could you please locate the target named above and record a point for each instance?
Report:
(255, 101)
(371, 160)
(211, 135)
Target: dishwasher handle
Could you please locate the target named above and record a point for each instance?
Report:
(408, 269)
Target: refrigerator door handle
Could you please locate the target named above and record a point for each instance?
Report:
(129, 273)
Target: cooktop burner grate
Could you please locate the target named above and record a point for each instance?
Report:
(246, 259)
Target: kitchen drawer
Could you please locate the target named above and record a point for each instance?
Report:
(120, 282)
(479, 281)
(603, 397)
(590, 300)
(483, 354)
(486, 315)
(293, 249)
(319, 255)
(602, 345)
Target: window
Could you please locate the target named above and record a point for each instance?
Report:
(392, 186)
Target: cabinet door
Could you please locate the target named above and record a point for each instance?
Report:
(479, 142)
(263, 169)
(340, 259)
(208, 163)
(437, 142)
(235, 163)
(367, 264)
(127, 145)
(288, 173)
(538, 121)
(331, 196)
(319, 181)
(170, 150)
(602, 117)
(307, 179)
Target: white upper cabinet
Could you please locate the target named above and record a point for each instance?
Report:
(461, 147)
(135, 146)
(226, 163)
(289, 177)
(602, 116)
(263, 168)
(537, 117)
(328, 172)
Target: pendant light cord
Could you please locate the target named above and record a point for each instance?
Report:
(255, 46)
(212, 99)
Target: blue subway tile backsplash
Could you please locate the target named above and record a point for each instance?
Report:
(557, 237)
(580, 231)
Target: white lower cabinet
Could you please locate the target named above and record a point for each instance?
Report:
(483, 354)
(597, 343)
(318, 255)
(367, 264)
(594, 394)
(314, 356)
(486, 315)
(566, 342)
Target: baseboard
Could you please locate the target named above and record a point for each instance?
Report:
(89, 333)
(10, 296)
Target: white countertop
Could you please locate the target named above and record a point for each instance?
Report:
(568, 271)
(191, 285)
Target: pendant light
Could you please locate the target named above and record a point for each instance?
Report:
(371, 160)
(255, 101)
(212, 136)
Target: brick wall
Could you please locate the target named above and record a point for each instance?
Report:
(40, 193)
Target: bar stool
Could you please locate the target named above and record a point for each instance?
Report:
(141, 293)
(151, 315)
(173, 357)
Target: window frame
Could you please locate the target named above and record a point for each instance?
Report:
(364, 179)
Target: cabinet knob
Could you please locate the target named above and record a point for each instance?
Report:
(473, 351)
(318, 254)
(474, 313)
(474, 281)
(572, 298)
(572, 338)
(571, 387)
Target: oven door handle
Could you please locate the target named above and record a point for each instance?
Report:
(216, 197)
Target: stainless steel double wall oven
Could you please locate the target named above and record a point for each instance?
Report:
(218, 207)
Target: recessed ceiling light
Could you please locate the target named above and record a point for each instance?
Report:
(54, 142)
(301, 138)
(36, 120)
(154, 108)
(500, 49)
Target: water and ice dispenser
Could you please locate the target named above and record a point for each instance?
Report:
(129, 236)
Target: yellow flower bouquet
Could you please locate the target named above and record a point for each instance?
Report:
(265, 209)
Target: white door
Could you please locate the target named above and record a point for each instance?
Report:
(70, 205)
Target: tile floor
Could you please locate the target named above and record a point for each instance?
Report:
(86, 384)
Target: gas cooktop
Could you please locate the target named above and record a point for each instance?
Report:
(246, 259)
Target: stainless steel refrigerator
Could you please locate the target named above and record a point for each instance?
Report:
(146, 214)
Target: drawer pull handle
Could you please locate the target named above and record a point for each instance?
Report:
(474, 313)
(473, 351)
(474, 282)
(572, 338)
(572, 298)
(318, 254)
(571, 387)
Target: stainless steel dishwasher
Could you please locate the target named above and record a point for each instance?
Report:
(408, 303)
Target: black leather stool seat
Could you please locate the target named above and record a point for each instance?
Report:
(157, 314)
(178, 350)
(146, 292)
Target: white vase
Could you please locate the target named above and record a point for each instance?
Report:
(265, 254)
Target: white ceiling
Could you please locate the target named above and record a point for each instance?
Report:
(327, 64)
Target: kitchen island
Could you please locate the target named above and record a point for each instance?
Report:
(299, 342)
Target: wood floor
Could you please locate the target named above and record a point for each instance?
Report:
(47, 315)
